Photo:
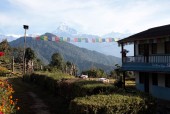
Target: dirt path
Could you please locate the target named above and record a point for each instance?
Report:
(35, 100)
(39, 106)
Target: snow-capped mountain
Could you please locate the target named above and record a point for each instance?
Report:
(65, 31)
(105, 48)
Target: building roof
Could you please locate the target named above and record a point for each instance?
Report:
(156, 32)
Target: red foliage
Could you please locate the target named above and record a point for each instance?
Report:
(1, 53)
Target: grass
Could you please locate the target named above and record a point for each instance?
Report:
(56, 75)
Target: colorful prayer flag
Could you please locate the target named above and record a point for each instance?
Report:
(75, 39)
(79, 39)
(38, 38)
(45, 38)
(57, 39)
(61, 39)
(93, 40)
(53, 38)
(97, 39)
(68, 39)
(86, 40)
(41, 37)
(100, 40)
(110, 40)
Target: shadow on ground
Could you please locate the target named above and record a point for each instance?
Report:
(35, 100)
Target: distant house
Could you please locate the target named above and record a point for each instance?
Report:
(151, 60)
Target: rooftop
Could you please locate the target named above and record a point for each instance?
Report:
(156, 32)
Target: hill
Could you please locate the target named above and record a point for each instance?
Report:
(83, 58)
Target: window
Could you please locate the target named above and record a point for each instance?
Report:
(141, 49)
(167, 49)
(154, 79)
(154, 48)
(141, 77)
(167, 80)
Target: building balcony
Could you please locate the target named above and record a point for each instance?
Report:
(152, 63)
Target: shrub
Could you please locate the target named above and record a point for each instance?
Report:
(89, 87)
(3, 71)
(111, 104)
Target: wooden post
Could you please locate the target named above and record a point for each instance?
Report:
(122, 48)
(13, 64)
(124, 79)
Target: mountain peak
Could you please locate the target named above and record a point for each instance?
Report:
(65, 29)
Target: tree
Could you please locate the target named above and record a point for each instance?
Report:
(18, 54)
(57, 61)
(6, 49)
(29, 56)
(95, 73)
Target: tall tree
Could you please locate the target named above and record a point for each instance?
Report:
(29, 54)
(57, 61)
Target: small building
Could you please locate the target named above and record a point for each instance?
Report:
(151, 60)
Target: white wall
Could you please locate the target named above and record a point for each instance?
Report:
(136, 48)
(161, 80)
(136, 77)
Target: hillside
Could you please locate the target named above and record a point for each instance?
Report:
(82, 57)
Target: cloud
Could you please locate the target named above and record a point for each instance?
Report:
(88, 16)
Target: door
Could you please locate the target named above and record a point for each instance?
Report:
(146, 82)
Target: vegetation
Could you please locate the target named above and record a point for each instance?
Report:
(29, 54)
(57, 61)
(7, 103)
(95, 73)
(111, 104)
(82, 58)
(3, 71)
(5, 47)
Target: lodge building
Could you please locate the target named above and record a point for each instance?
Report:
(151, 60)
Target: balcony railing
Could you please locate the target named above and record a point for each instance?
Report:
(149, 59)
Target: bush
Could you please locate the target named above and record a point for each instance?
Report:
(111, 104)
(89, 87)
(3, 71)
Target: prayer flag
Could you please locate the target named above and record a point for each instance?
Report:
(53, 38)
(38, 38)
(68, 39)
(41, 37)
(97, 39)
(57, 39)
(61, 39)
(45, 38)
(86, 40)
(93, 40)
(79, 39)
(100, 40)
(75, 39)
(110, 40)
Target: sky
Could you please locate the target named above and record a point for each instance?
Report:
(96, 17)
